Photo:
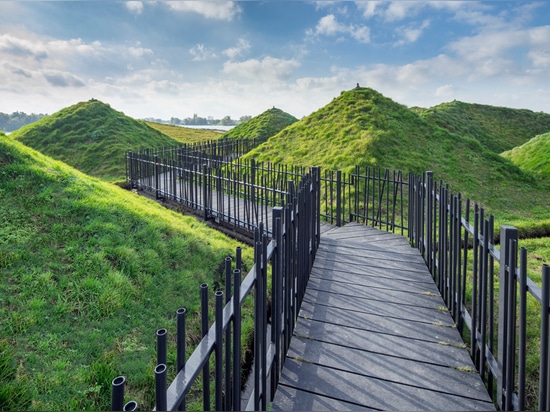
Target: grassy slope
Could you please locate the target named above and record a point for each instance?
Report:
(533, 156)
(88, 272)
(362, 127)
(262, 126)
(186, 134)
(497, 128)
(92, 137)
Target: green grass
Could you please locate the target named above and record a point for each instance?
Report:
(263, 126)
(533, 156)
(88, 272)
(362, 127)
(186, 134)
(496, 128)
(92, 137)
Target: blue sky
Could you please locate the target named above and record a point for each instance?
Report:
(167, 59)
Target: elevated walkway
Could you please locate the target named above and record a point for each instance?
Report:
(373, 333)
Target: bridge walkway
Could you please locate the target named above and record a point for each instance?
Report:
(373, 333)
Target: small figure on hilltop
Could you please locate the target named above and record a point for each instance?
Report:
(357, 87)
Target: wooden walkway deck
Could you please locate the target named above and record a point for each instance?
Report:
(373, 333)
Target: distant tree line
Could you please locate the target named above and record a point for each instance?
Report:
(201, 121)
(11, 122)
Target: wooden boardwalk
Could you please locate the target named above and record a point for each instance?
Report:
(373, 333)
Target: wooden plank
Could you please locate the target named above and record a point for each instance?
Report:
(383, 343)
(368, 391)
(314, 298)
(371, 258)
(389, 368)
(429, 331)
(423, 296)
(373, 332)
(291, 398)
(369, 275)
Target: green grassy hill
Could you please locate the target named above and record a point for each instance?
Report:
(497, 128)
(362, 127)
(186, 134)
(262, 126)
(533, 156)
(88, 272)
(92, 137)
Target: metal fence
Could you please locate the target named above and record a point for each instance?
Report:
(485, 289)
(291, 250)
(240, 194)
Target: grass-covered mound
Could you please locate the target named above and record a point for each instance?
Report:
(88, 272)
(362, 127)
(92, 137)
(263, 126)
(533, 156)
(186, 134)
(497, 128)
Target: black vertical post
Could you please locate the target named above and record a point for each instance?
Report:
(205, 191)
(237, 340)
(160, 387)
(117, 393)
(429, 220)
(338, 198)
(522, 327)
(219, 351)
(276, 299)
(157, 177)
(130, 406)
(161, 346)
(228, 381)
(511, 325)
(263, 346)
(317, 175)
(180, 345)
(507, 234)
(205, 369)
(257, 324)
(544, 379)
(483, 294)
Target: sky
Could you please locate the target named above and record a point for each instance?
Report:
(165, 59)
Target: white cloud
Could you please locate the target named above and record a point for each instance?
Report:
(539, 38)
(201, 53)
(490, 54)
(265, 70)
(361, 34)
(369, 8)
(134, 6)
(390, 10)
(242, 47)
(62, 79)
(329, 26)
(218, 10)
(410, 34)
(398, 10)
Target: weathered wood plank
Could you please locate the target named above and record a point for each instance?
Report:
(367, 391)
(369, 323)
(421, 375)
(373, 333)
(383, 343)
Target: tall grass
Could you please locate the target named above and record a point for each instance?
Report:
(88, 272)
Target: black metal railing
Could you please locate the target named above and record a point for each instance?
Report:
(485, 289)
(240, 194)
(204, 152)
(291, 250)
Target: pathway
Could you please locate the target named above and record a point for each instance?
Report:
(373, 333)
